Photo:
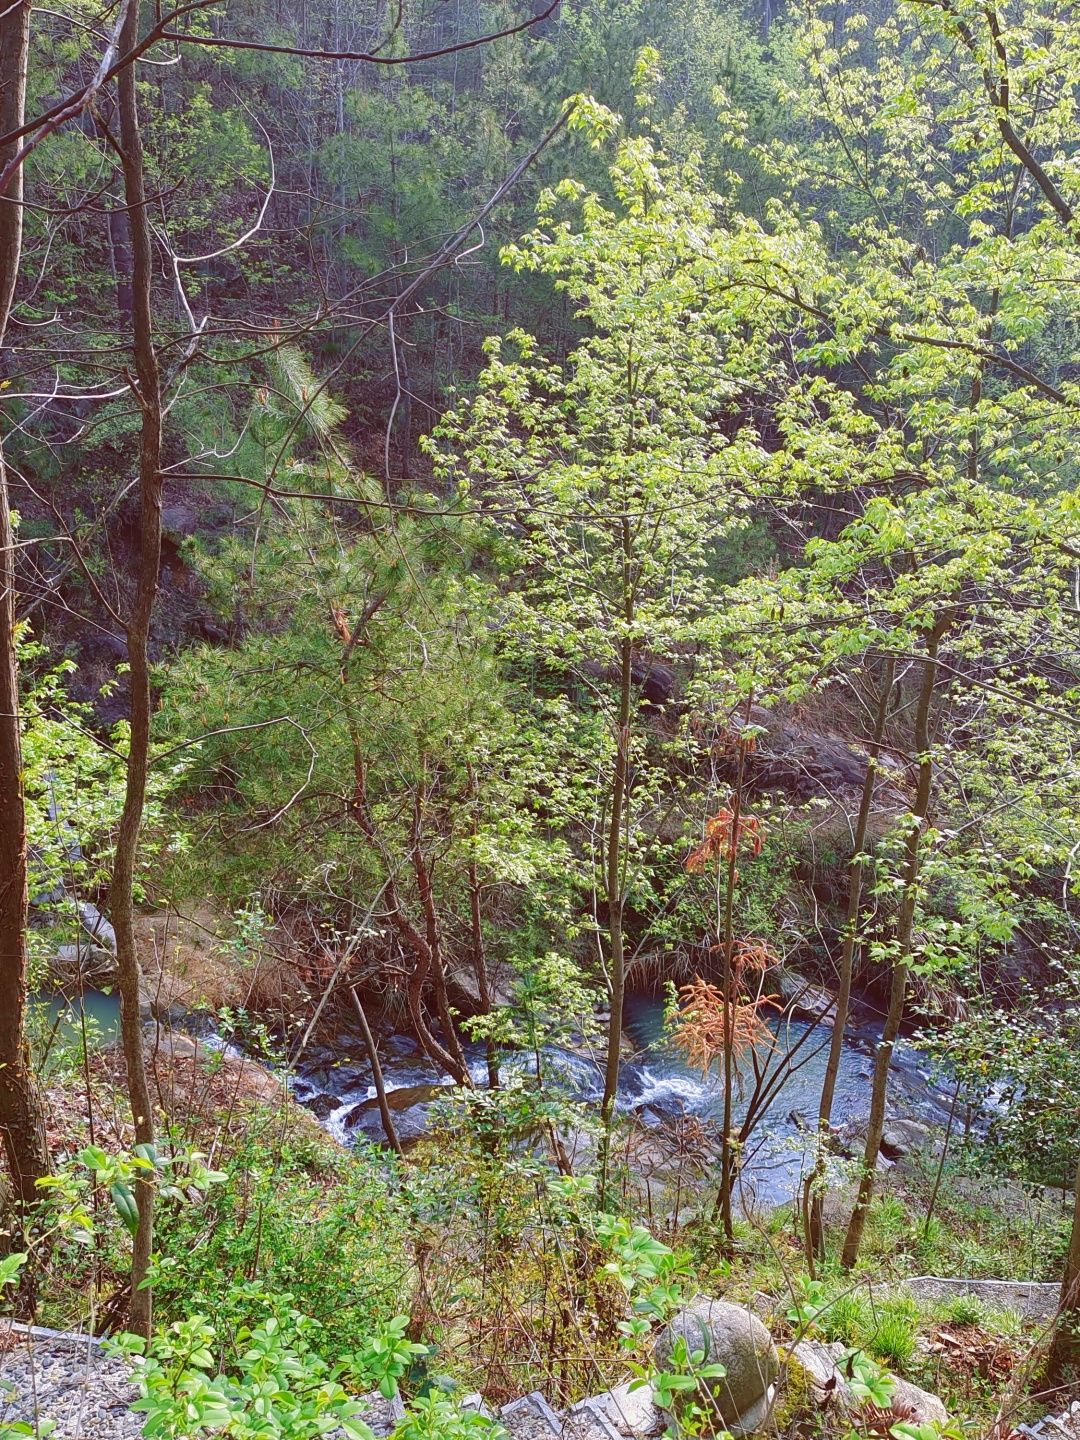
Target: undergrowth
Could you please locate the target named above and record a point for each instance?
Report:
(495, 1262)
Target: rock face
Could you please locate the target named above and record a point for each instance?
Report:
(916, 1404)
(731, 1335)
(818, 1362)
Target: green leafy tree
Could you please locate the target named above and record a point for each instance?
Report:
(607, 477)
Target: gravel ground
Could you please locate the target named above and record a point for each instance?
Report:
(47, 1375)
(68, 1379)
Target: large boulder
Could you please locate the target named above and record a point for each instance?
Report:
(903, 1137)
(734, 1337)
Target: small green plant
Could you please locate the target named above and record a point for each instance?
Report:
(809, 1304)
(649, 1271)
(895, 1331)
(927, 1430)
(438, 1416)
(965, 1310)
(867, 1381)
(10, 1266)
(387, 1356)
(682, 1390)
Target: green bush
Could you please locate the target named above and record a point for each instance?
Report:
(270, 1382)
(331, 1232)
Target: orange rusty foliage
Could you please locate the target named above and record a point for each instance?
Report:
(721, 833)
(704, 1021)
(340, 623)
(748, 955)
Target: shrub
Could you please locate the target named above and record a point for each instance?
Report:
(333, 1234)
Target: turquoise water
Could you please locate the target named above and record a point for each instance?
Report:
(64, 1015)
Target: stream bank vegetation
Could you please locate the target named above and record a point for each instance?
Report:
(498, 515)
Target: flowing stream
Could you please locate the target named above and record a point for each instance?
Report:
(656, 1084)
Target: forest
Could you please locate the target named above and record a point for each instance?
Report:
(540, 719)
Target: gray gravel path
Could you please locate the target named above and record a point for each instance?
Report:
(66, 1378)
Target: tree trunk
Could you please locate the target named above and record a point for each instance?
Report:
(147, 388)
(614, 893)
(459, 1069)
(1065, 1345)
(815, 1235)
(376, 1074)
(22, 1121)
(727, 1151)
(902, 962)
(483, 988)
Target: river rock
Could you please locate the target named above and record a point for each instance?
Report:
(817, 1361)
(735, 1338)
(323, 1105)
(903, 1137)
(829, 1385)
(82, 964)
(803, 996)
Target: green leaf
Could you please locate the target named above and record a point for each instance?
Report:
(126, 1208)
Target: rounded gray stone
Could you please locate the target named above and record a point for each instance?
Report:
(733, 1337)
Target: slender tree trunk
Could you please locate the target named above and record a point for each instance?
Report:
(815, 1234)
(614, 894)
(1065, 1344)
(22, 1122)
(407, 932)
(437, 970)
(459, 1069)
(376, 1074)
(727, 1152)
(120, 245)
(902, 962)
(483, 986)
(146, 385)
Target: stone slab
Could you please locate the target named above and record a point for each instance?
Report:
(631, 1412)
(530, 1418)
